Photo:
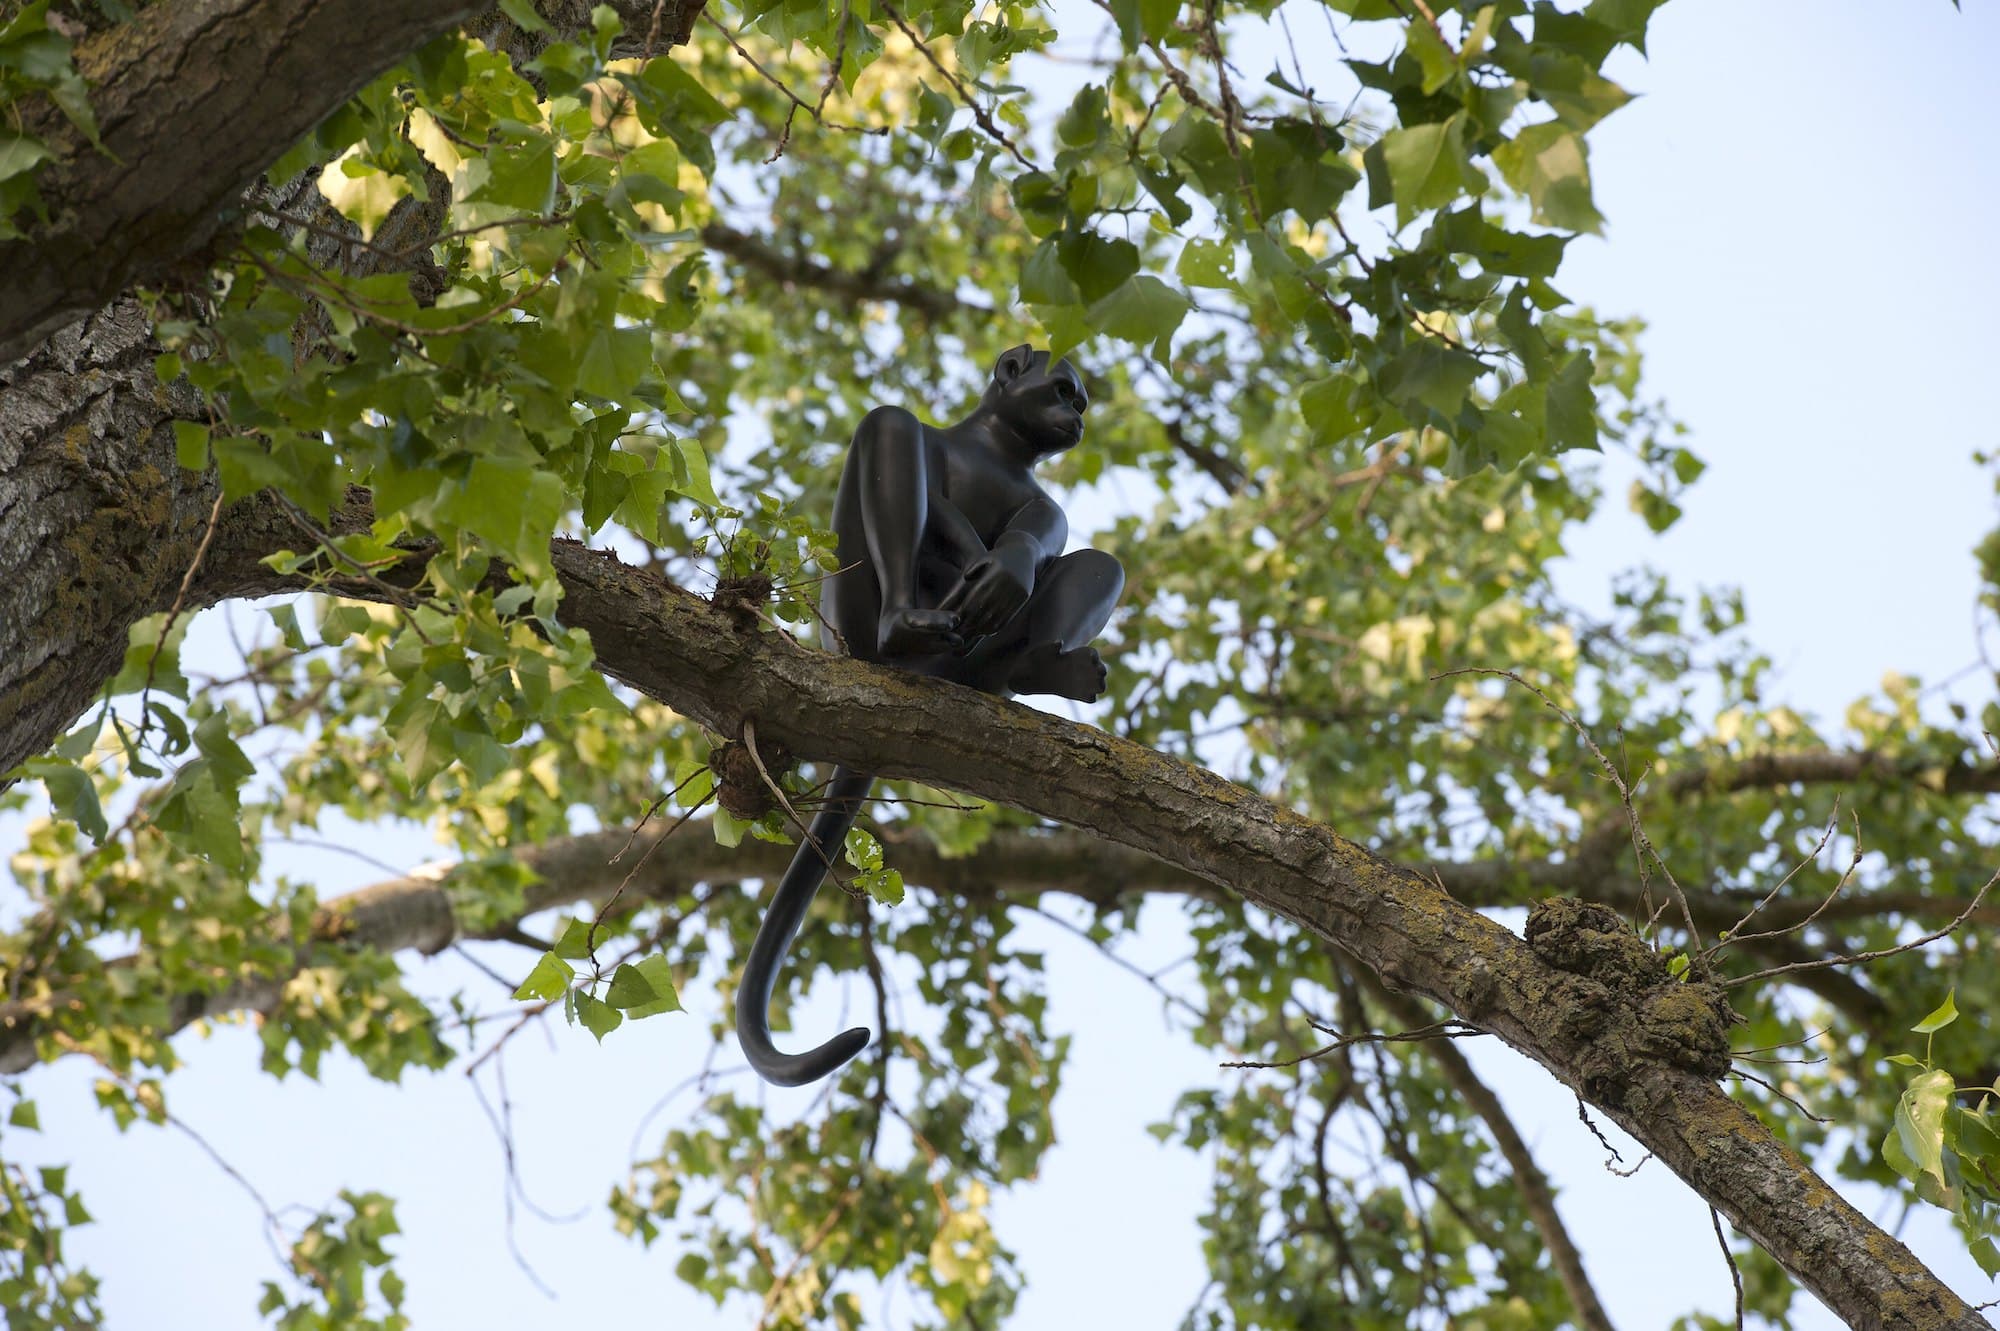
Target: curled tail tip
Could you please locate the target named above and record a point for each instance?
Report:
(804, 1069)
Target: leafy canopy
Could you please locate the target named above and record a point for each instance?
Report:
(580, 284)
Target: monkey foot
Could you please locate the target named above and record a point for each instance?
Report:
(1078, 674)
(907, 631)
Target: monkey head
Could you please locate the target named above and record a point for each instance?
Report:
(1042, 402)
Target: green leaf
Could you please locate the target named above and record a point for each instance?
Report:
(340, 621)
(361, 192)
(286, 617)
(1941, 1016)
(1084, 124)
(1919, 1126)
(1295, 164)
(1144, 309)
(692, 463)
(1043, 279)
(1207, 263)
(72, 793)
(883, 885)
(20, 153)
(1328, 407)
(1574, 90)
(1419, 168)
(423, 742)
(1550, 164)
(23, 1115)
(1140, 21)
(1097, 266)
(673, 102)
(614, 361)
(525, 15)
(1572, 406)
(1982, 1249)
(599, 1018)
(519, 177)
(1429, 374)
(862, 850)
(645, 989)
(548, 981)
(512, 504)
(574, 943)
(1627, 19)
(1434, 58)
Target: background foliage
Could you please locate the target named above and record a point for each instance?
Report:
(1339, 404)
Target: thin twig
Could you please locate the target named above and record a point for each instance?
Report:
(503, 1130)
(979, 113)
(1855, 958)
(652, 809)
(174, 611)
(777, 792)
(1781, 1094)
(1642, 845)
(590, 939)
(1853, 863)
(1449, 1029)
(1735, 1272)
(1583, 1115)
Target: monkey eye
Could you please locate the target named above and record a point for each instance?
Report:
(1071, 395)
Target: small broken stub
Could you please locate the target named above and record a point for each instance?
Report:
(1627, 1004)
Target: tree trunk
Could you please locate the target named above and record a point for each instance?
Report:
(98, 523)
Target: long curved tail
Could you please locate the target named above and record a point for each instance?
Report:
(796, 890)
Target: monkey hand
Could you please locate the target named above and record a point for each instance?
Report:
(994, 588)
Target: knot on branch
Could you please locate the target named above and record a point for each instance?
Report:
(739, 787)
(743, 599)
(1626, 1007)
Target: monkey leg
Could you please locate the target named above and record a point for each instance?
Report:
(1045, 648)
(890, 467)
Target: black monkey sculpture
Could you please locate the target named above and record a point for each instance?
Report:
(954, 567)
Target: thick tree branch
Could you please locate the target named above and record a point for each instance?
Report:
(1645, 1051)
(415, 912)
(193, 98)
(1579, 999)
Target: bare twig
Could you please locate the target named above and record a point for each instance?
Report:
(1787, 1097)
(1642, 845)
(1856, 958)
(1449, 1029)
(1734, 934)
(590, 943)
(979, 113)
(174, 611)
(1735, 1272)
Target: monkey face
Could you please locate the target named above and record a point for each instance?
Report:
(1043, 402)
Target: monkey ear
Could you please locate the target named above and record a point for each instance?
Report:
(1013, 363)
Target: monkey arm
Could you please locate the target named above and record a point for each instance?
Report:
(1039, 529)
(949, 526)
(999, 584)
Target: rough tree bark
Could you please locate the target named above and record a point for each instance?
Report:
(193, 98)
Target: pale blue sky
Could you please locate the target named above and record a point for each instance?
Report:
(1800, 205)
